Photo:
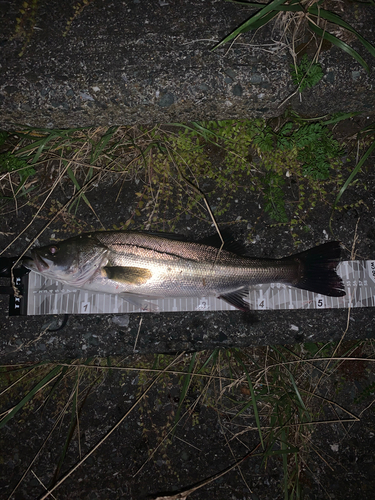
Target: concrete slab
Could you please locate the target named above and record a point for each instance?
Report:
(151, 62)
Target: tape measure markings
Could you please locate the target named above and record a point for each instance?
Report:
(52, 297)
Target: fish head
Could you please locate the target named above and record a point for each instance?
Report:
(73, 261)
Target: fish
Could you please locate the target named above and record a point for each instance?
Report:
(144, 266)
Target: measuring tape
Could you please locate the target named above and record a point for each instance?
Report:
(45, 296)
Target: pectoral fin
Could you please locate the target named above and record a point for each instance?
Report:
(127, 275)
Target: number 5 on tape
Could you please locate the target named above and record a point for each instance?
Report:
(320, 303)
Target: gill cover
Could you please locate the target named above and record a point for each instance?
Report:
(74, 261)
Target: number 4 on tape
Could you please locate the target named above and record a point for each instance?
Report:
(262, 303)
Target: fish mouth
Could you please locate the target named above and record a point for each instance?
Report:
(35, 263)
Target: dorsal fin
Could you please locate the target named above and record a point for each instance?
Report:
(168, 236)
(230, 244)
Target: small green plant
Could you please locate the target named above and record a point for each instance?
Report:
(315, 147)
(306, 74)
(77, 11)
(274, 197)
(3, 137)
(180, 169)
(11, 163)
(309, 151)
(25, 22)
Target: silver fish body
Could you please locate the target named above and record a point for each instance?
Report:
(145, 266)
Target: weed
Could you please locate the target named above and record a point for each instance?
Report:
(368, 391)
(293, 166)
(3, 137)
(274, 197)
(267, 396)
(297, 16)
(175, 166)
(306, 74)
(367, 132)
(309, 151)
(10, 163)
(25, 23)
(77, 11)
(315, 148)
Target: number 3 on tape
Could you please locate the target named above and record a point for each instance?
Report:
(320, 303)
(203, 304)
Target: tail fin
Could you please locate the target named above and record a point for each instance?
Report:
(318, 270)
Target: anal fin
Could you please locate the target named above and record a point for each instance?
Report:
(236, 299)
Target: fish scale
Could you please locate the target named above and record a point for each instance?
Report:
(187, 268)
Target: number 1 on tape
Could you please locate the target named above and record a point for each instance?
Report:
(85, 307)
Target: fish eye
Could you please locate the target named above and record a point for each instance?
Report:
(53, 250)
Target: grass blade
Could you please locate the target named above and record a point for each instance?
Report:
(369, 130)
(185, 388)
(247, 405)
(56, 385)
(72, 426)
(261, 22)
(299, 397)
(41, 144)
(354, 173)
(255, 18)
(334, 18)
(104, 140)
(253, 397)
(341, 116)
(202, 131)
(283, 449)
(45, 380)
(212, 357)
(340, 44)
(76, 183)
(295, 388)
